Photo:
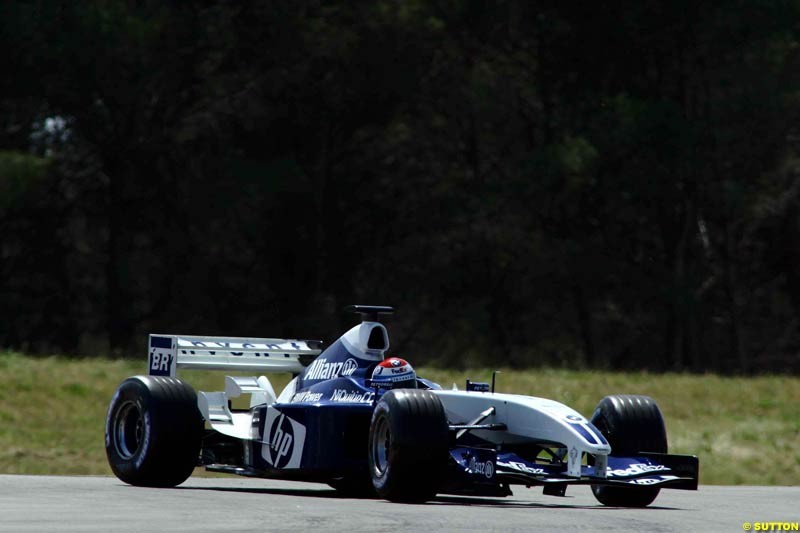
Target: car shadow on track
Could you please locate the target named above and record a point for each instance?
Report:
(465, 501)
(471, 501)
(310, 493)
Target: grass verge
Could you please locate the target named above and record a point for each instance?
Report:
(745, 430)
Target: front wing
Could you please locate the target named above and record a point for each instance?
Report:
(487, 467)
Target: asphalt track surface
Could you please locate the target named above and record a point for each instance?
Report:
(89, 504)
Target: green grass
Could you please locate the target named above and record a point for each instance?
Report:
(745, 430)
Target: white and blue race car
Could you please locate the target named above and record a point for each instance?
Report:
(366, 424)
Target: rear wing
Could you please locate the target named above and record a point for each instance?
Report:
(167, 353)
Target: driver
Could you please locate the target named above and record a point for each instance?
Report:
(394, 373)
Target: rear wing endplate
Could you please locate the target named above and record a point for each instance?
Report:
(167, 353)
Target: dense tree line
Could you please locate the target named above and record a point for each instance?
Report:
(604, 185)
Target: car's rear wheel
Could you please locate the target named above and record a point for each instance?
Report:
(153, 431)
(408, 445)
(631, 424)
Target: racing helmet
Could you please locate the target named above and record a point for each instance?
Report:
(394, 373)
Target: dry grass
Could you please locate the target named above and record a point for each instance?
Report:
(745, 430)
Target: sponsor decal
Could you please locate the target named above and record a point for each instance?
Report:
(485, 468)
(322, 369)
(306, 397)
(143, 448)
(161, 357)
(522, 467)
(160, 363)
(346, 396)
(350, 366)
(381, 384)
(391, 379)
(636, 469)
(235, 348)
(651, 480)
(283, 440)
(646, 481)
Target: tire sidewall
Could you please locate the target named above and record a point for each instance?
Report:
(381, 480)
(134, 391)
(171, 431)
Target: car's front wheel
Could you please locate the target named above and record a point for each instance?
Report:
(153, 431)
(408, 445)
(631, 424)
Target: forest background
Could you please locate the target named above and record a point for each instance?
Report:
(563, 184)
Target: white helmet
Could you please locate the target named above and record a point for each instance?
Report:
(394, 373)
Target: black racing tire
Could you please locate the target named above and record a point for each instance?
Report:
(153, 431)
(408, 445)
(631, 424)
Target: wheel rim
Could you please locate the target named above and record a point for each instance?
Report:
(380, 447)
(128, 430)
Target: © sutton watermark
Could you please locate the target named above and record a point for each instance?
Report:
(771, 526)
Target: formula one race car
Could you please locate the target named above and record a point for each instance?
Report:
(366, 424)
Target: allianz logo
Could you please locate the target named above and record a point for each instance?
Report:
(322, 369)
(479, 467)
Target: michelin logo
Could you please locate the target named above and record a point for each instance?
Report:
(322, 369)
